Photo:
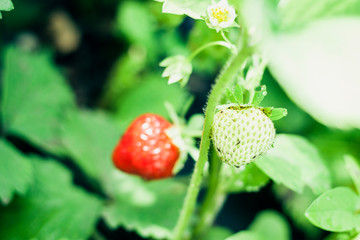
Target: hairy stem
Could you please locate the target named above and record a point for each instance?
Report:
(232, 46)
(226, 76)
(217, 43)
(214, 198)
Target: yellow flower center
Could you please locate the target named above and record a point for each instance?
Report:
(220, 14)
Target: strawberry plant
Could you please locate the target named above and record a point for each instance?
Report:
(179, 119)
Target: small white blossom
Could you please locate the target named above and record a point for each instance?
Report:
(221, 15)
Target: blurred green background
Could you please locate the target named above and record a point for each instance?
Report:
(74, 74)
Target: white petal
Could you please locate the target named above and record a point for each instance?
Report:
(209, 10)
(214, 22)
(168, 71)
(223, 4)
(225, 24)
(175, 78)
(231, 14)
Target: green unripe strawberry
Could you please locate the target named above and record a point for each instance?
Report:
(241, 134)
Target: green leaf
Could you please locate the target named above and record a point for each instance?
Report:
(294, 205)
(53, 208)
(16, 173)
(354, 170)
(138, 31)
(177, 69)
(296, 163)
(6, 5)
(248, 179)
(341, 236)
(35, 98)
(327, 88)
(271, 225)
(125, 74)
(316, 64)
(90, 138)
(193, 9)
(137, 24)
(245, 235)
(216, 233)
(267, 225)
(149, 208)
(335, 210)
(150, 97)
(300, 12)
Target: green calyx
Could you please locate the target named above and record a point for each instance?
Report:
(238, 97)
(184, 134)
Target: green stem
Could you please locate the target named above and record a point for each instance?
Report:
(226, 76)
(224, 36)
(214, 197)
(217, 43)
(232, 46)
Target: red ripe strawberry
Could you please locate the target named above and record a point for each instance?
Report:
(145, 149)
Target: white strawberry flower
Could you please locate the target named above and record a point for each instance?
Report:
(221, 15)
(177, 68)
